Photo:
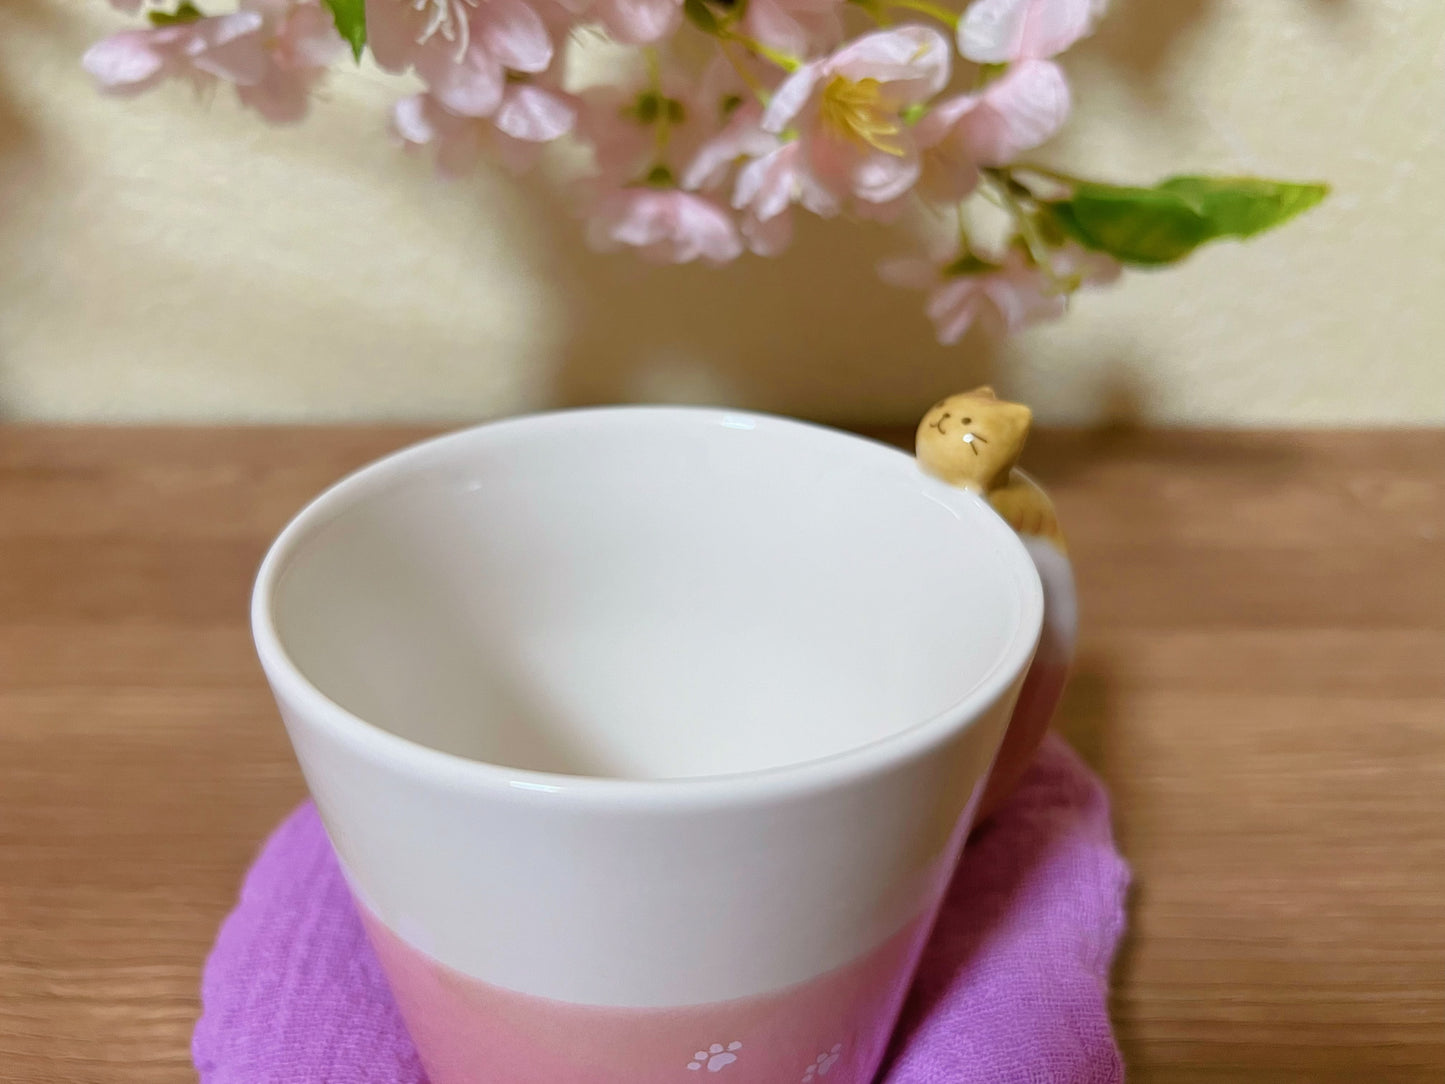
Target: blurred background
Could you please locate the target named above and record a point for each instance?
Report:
(164, 259)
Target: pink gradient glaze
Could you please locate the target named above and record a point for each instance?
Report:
(832, 1030)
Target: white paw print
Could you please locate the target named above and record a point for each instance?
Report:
(823, 1063)
(715, 1058)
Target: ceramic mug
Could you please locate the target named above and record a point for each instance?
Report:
(647, 738)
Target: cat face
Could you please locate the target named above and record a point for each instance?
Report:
(973, 439)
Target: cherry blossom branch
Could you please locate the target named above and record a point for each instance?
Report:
(793, 114)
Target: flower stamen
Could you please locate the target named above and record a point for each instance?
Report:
(449, 20)
(859, 112)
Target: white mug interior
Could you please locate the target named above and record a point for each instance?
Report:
(648, 594)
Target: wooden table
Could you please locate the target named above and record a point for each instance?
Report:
(1262, 682)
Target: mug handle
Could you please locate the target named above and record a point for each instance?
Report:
(972, 440)
(1043, 686)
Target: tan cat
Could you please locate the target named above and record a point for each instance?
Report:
(973, 441)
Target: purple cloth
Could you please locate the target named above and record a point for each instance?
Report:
(1013, 988)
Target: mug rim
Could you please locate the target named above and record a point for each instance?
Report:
(397, 752)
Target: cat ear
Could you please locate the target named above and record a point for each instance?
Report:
(985, 392)
(1012, 430)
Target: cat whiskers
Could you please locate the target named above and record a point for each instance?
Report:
(970, 438)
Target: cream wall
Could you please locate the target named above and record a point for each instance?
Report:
(164, 259)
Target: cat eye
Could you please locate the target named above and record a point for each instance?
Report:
(967, 421)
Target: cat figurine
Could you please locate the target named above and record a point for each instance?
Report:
(973, 440)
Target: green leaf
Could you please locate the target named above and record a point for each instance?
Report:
(1135, 225)
(350, 19)
(186, 13)
(1245, 206)
(1164, 224)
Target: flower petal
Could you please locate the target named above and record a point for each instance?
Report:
(392, 30)
(704, 230)
(742, 138)
(470, 88)
(799, 28)
(769, 22)
(1002, 31)
(755, 174)
(125, 63)
(1021, 296)
(535, 114)
(879, 177)
(950, 171)
(669, 226)
(776, 183)
(282, 96)
(816, 198)
(231, 47)
(790, 97)
(953, 308)
(769, 237)
(639, 22)
(419, 121)
(515, 35)
(1018, 112)
(310, 37)
(918, 58)
(942, 116)
(1092, 268)
(413, 119)
(638, 219)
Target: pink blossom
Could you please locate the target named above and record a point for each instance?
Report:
(528, 117)
(609, 122)
(274, 51)
(638, 22)
(653, 142)
(766, 189)
(1002, 31)
(797, 28)
(665, 225)
(1002, 297)
(741, 138)
(1075, 267)
(848, 112)
(461, 49)
(202, 50)
(770, 182)
(301, 42)
(767, 237)
(766, 183)
(1014, 113)
(691, 127)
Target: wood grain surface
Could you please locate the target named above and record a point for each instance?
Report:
(1262, 683)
